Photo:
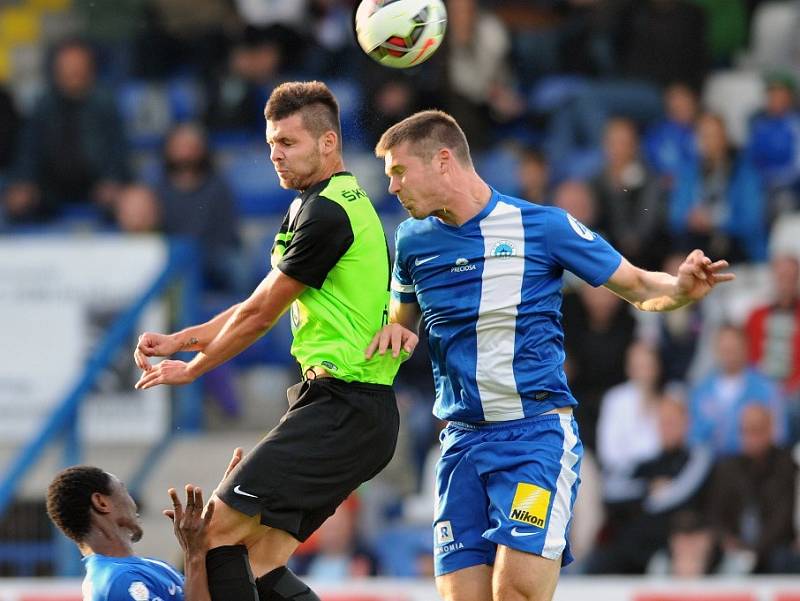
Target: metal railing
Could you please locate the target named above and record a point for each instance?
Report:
(181, 267)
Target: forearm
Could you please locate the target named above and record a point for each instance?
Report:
(196, 338)
(652, 291)
(244, 326)
(195, 587)
(407, 315)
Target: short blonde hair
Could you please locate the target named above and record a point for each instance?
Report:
(427, 132)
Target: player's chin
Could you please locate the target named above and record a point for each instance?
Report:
(136, 534)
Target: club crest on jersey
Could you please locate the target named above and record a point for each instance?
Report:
(138, 591)
(503, 249)
(580, 229)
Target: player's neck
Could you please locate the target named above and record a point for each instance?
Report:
(110, 542)
(331, 167)
(467, 198)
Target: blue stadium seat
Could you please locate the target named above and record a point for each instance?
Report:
(146, 113)
(551, 92)
(498, 167)
(185, 99)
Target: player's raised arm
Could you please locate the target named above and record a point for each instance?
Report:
(657, 291)
(248, 322)
(194, 338)
(190, 525)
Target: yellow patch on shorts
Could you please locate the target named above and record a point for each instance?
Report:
(530, 504)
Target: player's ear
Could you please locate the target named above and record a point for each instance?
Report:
(443, 158)
(101, 503)
(329, 142)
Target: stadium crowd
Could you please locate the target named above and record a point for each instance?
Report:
(149, 119)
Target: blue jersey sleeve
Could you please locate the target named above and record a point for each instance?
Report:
(579, 250)
(402, 284)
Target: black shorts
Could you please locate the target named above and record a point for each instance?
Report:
(335, 436)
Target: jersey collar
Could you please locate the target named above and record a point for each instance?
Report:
(320, 186)
(473, 220)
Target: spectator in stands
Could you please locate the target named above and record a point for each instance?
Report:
(671, 482)
(630, 201)
(185, 34)
(773, 336)
(598, 328)
(339, 555)
(137, 210)
(393, 98)
(675, 333)
(670, 142)
(693, 550)
(236, 97)
(577, 199)
(716, 403)
(72, 149)
(726, 31)
(478, 70)
(773, 143)
(718, 202)
(752, 498)
(627, 427)
(197, 202)
(332, 54)
(9, 127)
(285, 23)
(534, 176)
(648, 49)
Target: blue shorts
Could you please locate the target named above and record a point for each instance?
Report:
(507, 483)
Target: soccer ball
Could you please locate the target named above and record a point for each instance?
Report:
(400, 33)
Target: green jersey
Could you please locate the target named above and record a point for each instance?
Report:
(332, 241)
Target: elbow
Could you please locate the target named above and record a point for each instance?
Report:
(253, 321)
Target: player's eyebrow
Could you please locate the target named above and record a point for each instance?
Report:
(395, 169)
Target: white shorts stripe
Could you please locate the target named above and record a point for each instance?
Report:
(561, 512)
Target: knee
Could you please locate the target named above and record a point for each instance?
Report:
(509, 589)
(230, 527)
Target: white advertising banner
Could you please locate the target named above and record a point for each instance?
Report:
(58, 298)
(569, 589)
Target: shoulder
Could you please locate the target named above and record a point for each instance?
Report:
(415, 227)
(321, 207)
(121, 582)
(343, 188)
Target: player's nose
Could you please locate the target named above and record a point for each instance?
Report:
(394, 185)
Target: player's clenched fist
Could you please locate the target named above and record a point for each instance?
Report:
(152, 344)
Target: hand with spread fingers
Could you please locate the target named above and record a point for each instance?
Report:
(190, 524)
(698, 275)
(395, 337)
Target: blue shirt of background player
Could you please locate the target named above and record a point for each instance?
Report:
(130, 579)
(490, 296)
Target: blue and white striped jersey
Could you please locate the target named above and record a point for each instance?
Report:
(490, 295)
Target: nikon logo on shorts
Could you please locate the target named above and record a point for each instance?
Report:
(530, 504)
